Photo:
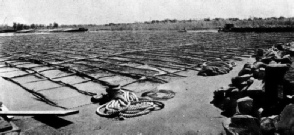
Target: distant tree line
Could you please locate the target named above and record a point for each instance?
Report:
(172, 24)
(196, 24)
(20, 26)
(205, 19)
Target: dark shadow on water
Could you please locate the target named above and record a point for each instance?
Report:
(53, 121)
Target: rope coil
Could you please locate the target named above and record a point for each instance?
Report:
(126, 104)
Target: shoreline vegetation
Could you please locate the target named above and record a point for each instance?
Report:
(167, 24)
(204, 24)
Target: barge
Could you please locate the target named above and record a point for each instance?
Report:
(232, 28)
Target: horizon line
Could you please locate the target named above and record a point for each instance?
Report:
(193, 19)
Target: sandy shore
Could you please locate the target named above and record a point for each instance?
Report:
(189, 112)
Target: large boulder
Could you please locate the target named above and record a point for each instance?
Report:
(244, 106)
(257, 85)
(242, 125)
(230, 103)
(242, 81)
(290, 47)
(285, 125)
(267, 125)
(225, 98)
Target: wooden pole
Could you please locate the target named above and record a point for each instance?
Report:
(32, 113)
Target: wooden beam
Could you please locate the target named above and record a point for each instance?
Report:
(32, 113)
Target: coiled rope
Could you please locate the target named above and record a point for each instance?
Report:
(126, 104)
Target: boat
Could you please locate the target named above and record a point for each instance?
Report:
(69, 30)
(232, 28)
(183, 30)
(75, 30)
(7, 31)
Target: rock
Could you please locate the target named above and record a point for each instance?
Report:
(230, 106)
(234, 94)
(285, 125)
(230, 102)
(242, 125)
(267, 125)
(223, 91)
(247, 69)
(242, 81)
(259, 52)
(244, 106)
(290, 48)
(221, 97)
(257, 85)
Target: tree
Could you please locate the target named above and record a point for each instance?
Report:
(14, 26)
(55, 25)
(174, 20)
(26, 26)
(154, 21)
(33, 26)
(233, 19)
(19, 26)
(206, 19)
(281, 17)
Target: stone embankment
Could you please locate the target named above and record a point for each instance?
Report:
(259, 99)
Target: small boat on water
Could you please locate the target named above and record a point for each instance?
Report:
(70, 30)
(183, 30)
(76, 30)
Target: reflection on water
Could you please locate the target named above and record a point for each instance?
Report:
(6, 34)
(200, 31)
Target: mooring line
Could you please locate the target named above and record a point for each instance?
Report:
(39, 96)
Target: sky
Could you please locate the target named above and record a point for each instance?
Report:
(129, 11)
